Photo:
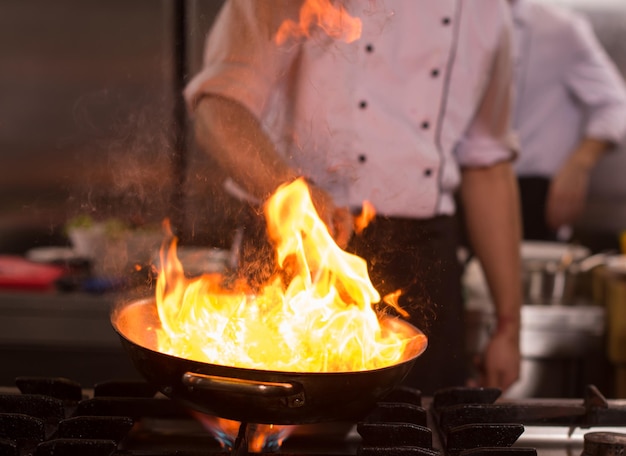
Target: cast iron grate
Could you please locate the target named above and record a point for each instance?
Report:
(56, 416)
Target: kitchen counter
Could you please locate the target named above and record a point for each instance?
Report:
(56, 319)
(64, 334)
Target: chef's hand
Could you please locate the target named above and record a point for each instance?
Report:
(339, 220)
(567, 195)
(568, 190)
(499, 366)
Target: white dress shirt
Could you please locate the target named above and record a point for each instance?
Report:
(566, 87)
(389, 118)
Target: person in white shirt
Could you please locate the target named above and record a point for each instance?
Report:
(413, 111)
(570, 110)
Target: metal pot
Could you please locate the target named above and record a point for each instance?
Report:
(551, 272)
(550, 283)
(251, 395)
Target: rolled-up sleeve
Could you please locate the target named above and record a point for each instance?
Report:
(596, 82)
(490, 138)
(241, 60)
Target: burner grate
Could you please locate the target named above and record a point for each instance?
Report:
(52, 416)
(56, 416)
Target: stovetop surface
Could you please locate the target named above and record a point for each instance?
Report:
(56, 416)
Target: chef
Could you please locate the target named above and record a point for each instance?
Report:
(570, 112)
(410, 113)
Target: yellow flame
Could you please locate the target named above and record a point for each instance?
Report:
(314, 315)
(334, 20)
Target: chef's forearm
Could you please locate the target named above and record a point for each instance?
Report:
(234, 138)
(491, 202)
(588, 152)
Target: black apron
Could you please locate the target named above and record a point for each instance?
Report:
(420, 258)
(533, 193)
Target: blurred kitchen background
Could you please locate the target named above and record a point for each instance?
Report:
(92, 118)
(92, 123)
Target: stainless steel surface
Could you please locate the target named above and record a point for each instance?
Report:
(562, 331)
(558, 440)
(563, 348)
(240, 386)
(555, 440)
(555, 272)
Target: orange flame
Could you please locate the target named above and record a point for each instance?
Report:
(335, 22)
(365, 217)
(392, 301)
(261, 437)
(314, 315)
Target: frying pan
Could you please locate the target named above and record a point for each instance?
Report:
(252, 395)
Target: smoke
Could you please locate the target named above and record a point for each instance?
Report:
(127, 157)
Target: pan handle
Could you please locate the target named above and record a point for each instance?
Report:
(244, 386)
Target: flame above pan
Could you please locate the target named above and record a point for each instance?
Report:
(314, 315)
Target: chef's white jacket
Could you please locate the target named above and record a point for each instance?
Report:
(389, 118)
(566, 87)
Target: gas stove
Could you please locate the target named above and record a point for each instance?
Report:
(42, 416)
